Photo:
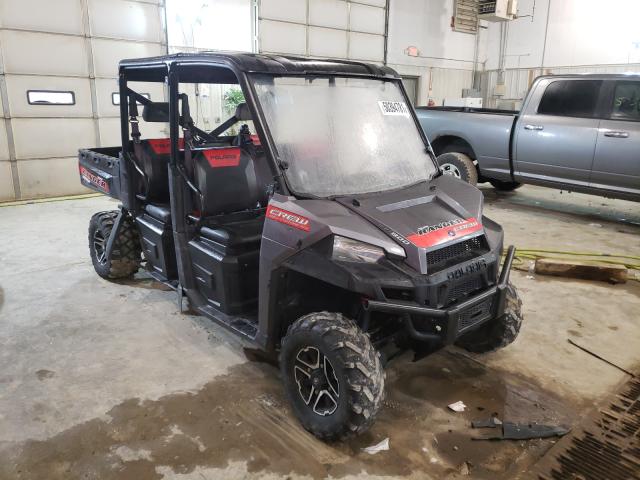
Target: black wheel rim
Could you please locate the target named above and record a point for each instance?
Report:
(317, 382)
(100, 247)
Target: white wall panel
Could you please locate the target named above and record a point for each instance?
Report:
(107, 54)
(329, 13)
(288, 10)
(332, 28)
(49, 177)
(61, 16)
(327, 42)
(43, 53)
(125, 19)
(577, 33)
(42, 138)
(110, 131)
(363, 46)
(367, 19)
(282, 37)
(44, 46)
(105, 87)
(426, 25)
(6, 182)
(378, 3)
(4, 146)
(18, 85)
(448, 83)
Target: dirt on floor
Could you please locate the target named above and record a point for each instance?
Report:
(102, 380)
(243, 416)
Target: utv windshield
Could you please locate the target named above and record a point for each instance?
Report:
(343, 136)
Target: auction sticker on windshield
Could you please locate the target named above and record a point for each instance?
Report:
(393, 108)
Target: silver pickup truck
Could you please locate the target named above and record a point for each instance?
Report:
(575, 132)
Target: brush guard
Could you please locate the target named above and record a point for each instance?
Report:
(453, 322)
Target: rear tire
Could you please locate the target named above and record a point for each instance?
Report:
(505, 186)
(458, 165)
(327, 352)
(126, 256)
(498, 332)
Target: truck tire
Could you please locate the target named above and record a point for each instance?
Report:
(504, 186)
(498, 332)
(332, 375)
(458, 165)
(126, 256)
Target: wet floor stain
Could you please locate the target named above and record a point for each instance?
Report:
(243, 416)
(44, 374)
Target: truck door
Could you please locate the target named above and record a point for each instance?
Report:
(616, 165)
(556, 141)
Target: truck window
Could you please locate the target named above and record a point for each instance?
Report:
(626, 101)
(571, 98)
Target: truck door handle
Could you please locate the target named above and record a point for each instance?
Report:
(533, 127)
(615, 134)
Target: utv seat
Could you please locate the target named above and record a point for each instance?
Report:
(229, 180)
(159, 212)
(241, 235)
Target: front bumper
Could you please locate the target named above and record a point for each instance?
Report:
(457, 320)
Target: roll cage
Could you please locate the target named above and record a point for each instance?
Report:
(228, 68)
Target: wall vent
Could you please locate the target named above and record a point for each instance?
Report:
(465, 16)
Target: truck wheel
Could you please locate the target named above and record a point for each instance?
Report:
(332, 375)
(499, 332)
(458, 165)
(504, 186)
(126, 255)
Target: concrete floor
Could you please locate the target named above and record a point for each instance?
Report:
(106, 380)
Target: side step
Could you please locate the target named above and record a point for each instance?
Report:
(246, 327)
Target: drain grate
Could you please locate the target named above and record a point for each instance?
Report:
(606, 447)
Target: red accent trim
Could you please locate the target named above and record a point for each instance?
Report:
(223, 157)
(288, 218)
(445, 234)
(162, 146)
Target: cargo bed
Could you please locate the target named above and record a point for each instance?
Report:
(100, 169)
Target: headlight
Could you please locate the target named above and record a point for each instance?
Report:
(348, 250)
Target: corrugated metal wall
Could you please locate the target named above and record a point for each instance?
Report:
(65, 46)
(517, 81)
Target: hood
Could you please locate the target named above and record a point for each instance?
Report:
(424, 217)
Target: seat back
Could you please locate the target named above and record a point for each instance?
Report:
(227, 179)
(153, 157)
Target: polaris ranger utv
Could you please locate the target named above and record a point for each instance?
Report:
(313, 222)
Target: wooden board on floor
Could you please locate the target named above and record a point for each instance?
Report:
(587, 271)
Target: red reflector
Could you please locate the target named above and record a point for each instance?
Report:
(223, 157)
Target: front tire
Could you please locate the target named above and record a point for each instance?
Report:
(498, 332)
(458, 165)
(332, 375)
(126, 255)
